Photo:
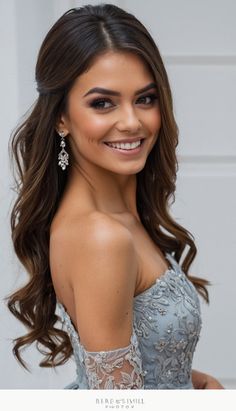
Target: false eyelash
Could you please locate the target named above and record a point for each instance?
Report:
(152, 96)
(95, 103)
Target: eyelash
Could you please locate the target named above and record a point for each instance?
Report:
(95, 103)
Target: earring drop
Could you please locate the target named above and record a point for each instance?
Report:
(63, 156)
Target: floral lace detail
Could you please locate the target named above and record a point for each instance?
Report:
(167, 321)
(115, 369)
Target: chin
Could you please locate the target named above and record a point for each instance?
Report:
(132, 171)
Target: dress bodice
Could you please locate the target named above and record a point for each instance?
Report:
(166, 328)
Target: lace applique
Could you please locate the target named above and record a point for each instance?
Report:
(167, 321)
(115, 369)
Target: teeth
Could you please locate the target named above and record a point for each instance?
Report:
(125, 146)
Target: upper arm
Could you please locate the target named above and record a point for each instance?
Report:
(102, 268)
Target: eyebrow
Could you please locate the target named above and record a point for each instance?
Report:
(105, 91)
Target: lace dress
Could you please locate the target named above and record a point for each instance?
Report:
(166, 328)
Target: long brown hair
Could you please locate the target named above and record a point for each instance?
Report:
(69, 49)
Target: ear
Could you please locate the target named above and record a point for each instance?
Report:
(62, 125)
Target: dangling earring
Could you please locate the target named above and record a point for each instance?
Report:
(63, 156)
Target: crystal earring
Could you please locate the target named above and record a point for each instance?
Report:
(63, 156)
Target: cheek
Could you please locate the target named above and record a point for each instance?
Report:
(151, 120)
(90, 126)
(154, 125)
(155, 121)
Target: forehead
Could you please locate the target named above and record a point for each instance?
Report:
(115, 70)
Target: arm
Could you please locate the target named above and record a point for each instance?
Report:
(102, 270)
(203, 381)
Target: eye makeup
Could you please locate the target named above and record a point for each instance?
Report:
(100, 102)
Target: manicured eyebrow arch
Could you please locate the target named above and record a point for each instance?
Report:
(105, 91)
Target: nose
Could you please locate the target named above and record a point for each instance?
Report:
(128, 120)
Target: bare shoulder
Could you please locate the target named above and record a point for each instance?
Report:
(99, 258)
(97, 223)
(98, 238)
(94, 229)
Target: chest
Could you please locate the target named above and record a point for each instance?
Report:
(151, 261)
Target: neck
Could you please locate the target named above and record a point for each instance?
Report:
(110, 193)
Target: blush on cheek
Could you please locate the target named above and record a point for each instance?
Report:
(155, 121)
(95, 128)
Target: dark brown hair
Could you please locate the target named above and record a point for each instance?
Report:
(69, 49)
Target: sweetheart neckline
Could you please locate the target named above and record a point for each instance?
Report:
(61, 306)
(169, 270)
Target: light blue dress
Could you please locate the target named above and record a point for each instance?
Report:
(166, 328)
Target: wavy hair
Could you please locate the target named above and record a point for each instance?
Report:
(69, 49)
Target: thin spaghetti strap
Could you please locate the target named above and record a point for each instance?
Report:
(172, 260)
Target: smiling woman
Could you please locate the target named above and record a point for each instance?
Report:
(101, 130)
(97, 166)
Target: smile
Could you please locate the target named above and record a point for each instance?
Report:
(125, 146)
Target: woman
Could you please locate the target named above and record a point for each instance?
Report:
(97, 170)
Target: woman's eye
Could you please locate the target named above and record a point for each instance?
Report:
(147, 100)
(105, 103)
(101, 103)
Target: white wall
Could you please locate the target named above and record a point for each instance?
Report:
(197, 40)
